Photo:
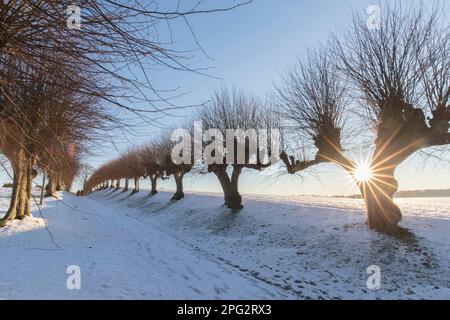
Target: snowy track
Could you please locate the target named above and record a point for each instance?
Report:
(119, 256)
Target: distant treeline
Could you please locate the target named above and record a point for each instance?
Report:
(410, 194)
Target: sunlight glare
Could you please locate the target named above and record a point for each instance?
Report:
(363, 172)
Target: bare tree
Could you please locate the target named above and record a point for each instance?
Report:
(164, 149)
(153, 168)
(135, 167)
(44, 121)
(399, 74)
(243, 115)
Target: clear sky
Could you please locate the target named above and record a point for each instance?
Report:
(249, 48)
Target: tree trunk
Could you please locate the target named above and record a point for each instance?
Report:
(153, 179)
(22, 197)
(12, 210)
(111, 185)
(60, 186)
(179, 194)
(402, 130)
(383, 214)
(31, 174)
(125, 189)
(234, 200)
(51, 186)
(224, 180)
(18, 164)
(117, 184)
(136, 185)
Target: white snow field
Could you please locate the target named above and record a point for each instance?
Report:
(140, 247)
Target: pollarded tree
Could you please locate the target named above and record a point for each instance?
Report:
(102, 177)
(97, 179)
(152, 165)
(116, 170)
(124, 172)
(43, 118)
(241, 134)
(17, 158)
(73, 168)
(399, 74)
(165, 160)
(132, 162)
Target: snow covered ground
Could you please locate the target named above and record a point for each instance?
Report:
(140, 247)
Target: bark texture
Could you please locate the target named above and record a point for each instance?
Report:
(153, 179)
(179, 194)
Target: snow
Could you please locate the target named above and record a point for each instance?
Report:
(277, 247)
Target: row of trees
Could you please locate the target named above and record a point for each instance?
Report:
(227, 109)
(152, 160)
(393, 79)
(65, 72)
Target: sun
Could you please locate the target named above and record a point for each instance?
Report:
(363, 172)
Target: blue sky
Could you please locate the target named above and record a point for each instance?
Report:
(250, 47)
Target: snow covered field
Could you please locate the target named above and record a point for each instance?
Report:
(140, 247)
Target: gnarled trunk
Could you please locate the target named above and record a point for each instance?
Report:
(402, 130)
(153, 179)
(224, 180)
(136, 185)
(18, 164)
(233, 199)
(382, 213)
(12, 210)
(179, 194)
(58, 184)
